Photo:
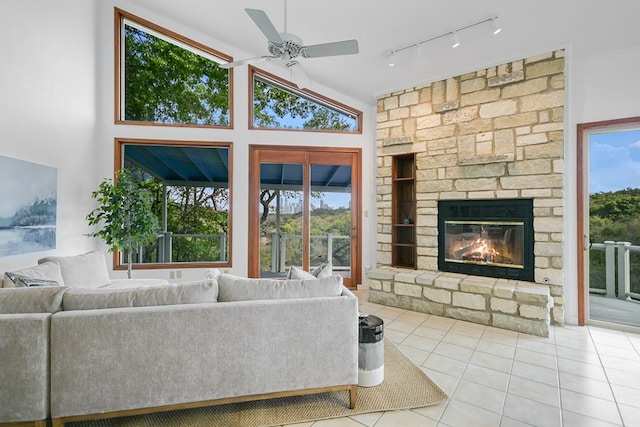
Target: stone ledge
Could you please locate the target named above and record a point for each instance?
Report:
(508, 304)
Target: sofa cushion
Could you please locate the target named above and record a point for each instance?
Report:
(46, 271)
(234, 288)
(204, 291)
(41, 299)
(88, 270)
(323, 270)
(298, 273)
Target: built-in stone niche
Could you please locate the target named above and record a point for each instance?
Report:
(497, 133)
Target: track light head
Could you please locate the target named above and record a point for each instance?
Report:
(456, 41)
(495, 26)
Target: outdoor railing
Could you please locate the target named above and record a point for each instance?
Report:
(279, 245)
(617, 269)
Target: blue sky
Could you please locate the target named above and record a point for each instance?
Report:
(614, 161)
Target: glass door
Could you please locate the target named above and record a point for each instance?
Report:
(307, 211)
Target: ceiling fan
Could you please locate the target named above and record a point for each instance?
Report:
(288, 47)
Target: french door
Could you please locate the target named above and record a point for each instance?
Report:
(305, 210)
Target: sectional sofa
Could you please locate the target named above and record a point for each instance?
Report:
(72, 354)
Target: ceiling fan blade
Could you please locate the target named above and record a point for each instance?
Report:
(345, 47)
(246, 61)
(264, 24)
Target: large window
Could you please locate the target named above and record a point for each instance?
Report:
(278, 104)
(165, 78)
(190, 182)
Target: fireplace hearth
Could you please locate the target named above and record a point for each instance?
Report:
(491, 238)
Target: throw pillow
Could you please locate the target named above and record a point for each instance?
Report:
(47, 299)
(88, 270)
(323, 270)
(234, 288)
(46, 271)
(24, 281)
(205, 291)
(298, 273)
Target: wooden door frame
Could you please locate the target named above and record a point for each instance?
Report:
(322, 155)
(582, 197)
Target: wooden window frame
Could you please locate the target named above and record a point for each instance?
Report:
(118, 163)
(304, 93)
(120, 16)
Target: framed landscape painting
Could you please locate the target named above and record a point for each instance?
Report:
(28, 208)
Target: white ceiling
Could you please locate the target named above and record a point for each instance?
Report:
(530, 28)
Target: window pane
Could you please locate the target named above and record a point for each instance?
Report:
(281, 217)
(276, 106)
(190, 185)
(166, 82)
(330, 217)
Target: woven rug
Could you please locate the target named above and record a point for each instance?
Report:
(405, 386)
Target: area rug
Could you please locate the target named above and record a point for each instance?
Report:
(405, 386)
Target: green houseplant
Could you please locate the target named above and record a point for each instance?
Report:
(124, 213)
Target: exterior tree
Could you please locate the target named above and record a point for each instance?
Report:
(124, 214)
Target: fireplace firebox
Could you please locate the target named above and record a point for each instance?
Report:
(491, 238)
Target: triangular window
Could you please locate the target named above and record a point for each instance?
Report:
(278, 104)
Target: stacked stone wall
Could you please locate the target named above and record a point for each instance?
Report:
(491, 134)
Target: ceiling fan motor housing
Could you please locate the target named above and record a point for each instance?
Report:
(290, 48)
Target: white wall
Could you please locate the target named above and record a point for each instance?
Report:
(600, 87)
(48, 106)
(56, 108)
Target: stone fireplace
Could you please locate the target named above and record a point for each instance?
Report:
(496, 135)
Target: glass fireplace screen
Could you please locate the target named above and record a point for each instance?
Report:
(494, 243)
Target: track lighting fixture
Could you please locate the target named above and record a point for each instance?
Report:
(495, 26)
(456, 41)
(493, 20)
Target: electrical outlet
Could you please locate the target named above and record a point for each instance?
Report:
(179, 274)
(172, 275)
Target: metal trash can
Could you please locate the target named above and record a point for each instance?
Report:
(370, 351)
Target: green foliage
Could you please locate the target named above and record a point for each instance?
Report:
(615, 216)
(272, 105)
(124, 217)
(165, 83)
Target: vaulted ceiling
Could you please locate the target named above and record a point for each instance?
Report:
(584, 27)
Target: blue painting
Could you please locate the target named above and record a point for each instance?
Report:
(28, 207)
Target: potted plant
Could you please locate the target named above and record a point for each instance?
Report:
(124, 213)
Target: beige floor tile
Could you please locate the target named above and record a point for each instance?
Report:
(421, 343)
(534, 390)
(460, 414)
(433, 412)
(492, 335)
(459, 339)
(531, 412)
(404, 419)
(479, 395)
(623, 377)
(368, 420)
(589, 406)
(454, 351)
(446, 382)
(544, 347)
(571, 419)
(536, 373)
(491, 361)
(469, 329)
(590, 357)
(630, 415)
(337, 422)
(508, 422)
(584, 385)
(626, 395)
(444, 364)
(485, 376)
(395, 337)
(427, 332)
(496, 348)
(587, 370)
(417, 356)
(536, 358)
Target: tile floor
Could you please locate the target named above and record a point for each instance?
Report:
(578, 377)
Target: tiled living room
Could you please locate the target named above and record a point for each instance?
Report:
(505, 116)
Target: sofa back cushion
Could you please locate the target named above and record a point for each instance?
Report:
(88, 270)
(204, 291)
(45, 299)
(234, 288)
(48, 271)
